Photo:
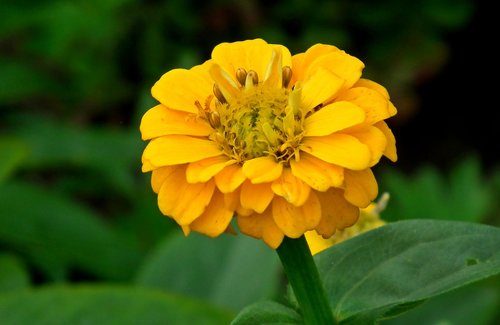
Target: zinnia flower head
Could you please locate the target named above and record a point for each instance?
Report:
(282, 143)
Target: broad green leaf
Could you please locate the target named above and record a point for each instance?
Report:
(105, 305)
(13, 273)
(267, 313)
(57, 233)
(470, 305)
(392, 268)
(232, 271)
(13, 152)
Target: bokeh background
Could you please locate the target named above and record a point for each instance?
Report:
(75, 79)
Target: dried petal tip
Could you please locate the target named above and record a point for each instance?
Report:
(252, 78)
(287, 76)
(218, 94)
(241, 76)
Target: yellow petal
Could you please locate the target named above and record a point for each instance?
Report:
(262, 169)
(244, 212)
(177, 149)
(291, 188)
(147, 166)
(256, 196)
(216, 218)
(286, 57)
(316, 242)
(249, 55)
(392, 109)
(273, 77)
(375, 105)
(179, 89)
(343, 65)
(186, 230)
(339, 149)
(320, 87)
(203, 170)
(280, 57)
(373, 138)
(158, 176)
(336, 212)
(360, 187)
(182, 201)
(302, 61)
(160, 121)
(224, 81)
(297, 68)
(372, 85)
(295, 221)
(261, 226)
(317, 173)
(230, 178)
(332, 118)
(232, 200)
(390, 150)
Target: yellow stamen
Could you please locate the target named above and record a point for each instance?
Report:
(214, 119)
(241, 76)
(252, 79)
(218, 94)
(287, 76)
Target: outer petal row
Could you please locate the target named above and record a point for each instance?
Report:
(184, 202)
(171, 150)
(160, 121)
(203, 208)
(332, 118)
(317, 173)
(339, 149)
(179, 88)
(321, 56)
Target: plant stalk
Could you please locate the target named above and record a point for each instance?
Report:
(304, 278)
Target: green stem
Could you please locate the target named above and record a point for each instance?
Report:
(304, 278)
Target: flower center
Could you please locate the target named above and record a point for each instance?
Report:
(259, 119)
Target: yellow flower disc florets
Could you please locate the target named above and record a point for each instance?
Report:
(252, 124)
(283, 143)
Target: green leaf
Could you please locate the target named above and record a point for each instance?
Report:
(469, 305)
(267, 313)
(229, 271)
(396, 266)
(105, 305)
(57, 233)
(13, 273)
(13, 152)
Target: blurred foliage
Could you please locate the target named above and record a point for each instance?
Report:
(74, 206)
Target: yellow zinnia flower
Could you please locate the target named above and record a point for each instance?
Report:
(283, 143)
